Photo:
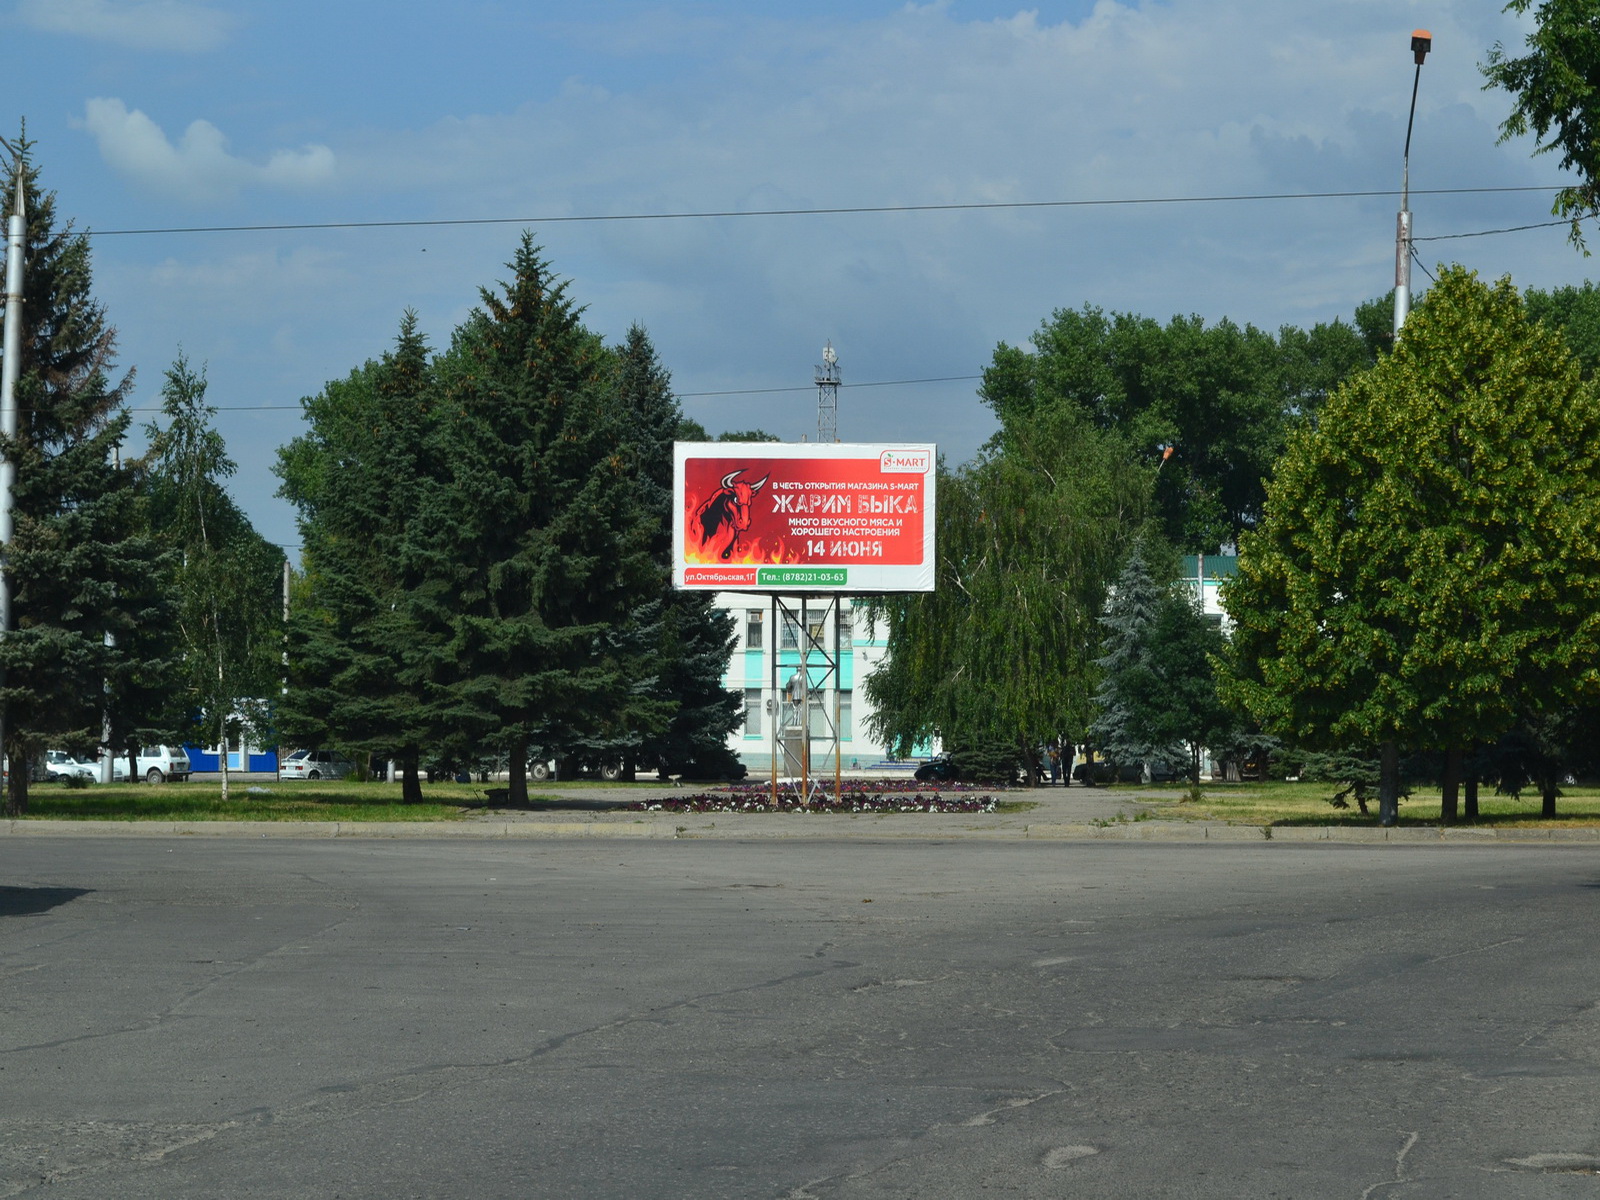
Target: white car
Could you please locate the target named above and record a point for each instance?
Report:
(156, 764)
(58, 764)
(315, 764)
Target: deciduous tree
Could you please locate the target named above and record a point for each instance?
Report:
(229, 626)
(1428, 569)
(1223, 397)
(1554, 96)
(1028, 538)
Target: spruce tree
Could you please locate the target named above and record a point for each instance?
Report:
(687, 729)
(361, 659)
(81, 558)
(1158, 699)
(532, 528)
(1132, 611)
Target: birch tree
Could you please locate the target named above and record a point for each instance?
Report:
(227, 578)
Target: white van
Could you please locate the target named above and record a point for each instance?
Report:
(157, 764)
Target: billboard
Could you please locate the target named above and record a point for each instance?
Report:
(786, 517)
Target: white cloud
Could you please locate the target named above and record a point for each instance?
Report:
(190, 26)
(199, 168)
(1128, 98)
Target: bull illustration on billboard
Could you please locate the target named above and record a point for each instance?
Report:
(726, 515)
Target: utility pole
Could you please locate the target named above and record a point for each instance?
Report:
(16, 241)
(1421, 42)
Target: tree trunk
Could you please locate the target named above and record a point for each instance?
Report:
(410, 781)
(222, 721)
(16, 783)
(1389, 784)
(517, 771)
(1549, 791)
(1471, 804)
(222, 759)
(1194, 772)
(1450, 785)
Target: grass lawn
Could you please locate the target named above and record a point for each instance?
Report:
(1307, 804)
(345, 800)
(325, 800)
(269, 800)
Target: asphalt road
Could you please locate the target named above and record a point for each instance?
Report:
(262, 1017)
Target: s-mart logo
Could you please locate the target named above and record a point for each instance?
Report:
(905, 462)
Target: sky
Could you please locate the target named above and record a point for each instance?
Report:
(1160, 157)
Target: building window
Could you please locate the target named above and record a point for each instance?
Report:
(846, 629)
(752, 712)
(846, 721)
(752, 628)
(791, 633)
(819, 716)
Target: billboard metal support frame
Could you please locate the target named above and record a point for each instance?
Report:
(792, 732)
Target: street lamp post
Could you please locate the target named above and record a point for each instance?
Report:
(16, 245)
(1421, 43)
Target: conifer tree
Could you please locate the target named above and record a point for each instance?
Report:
(1133, 609)
(81, 557)
(532, 530)
(360, 657)
(1158, 699)
(688, 728)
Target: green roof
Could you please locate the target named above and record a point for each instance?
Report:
(1218, 566)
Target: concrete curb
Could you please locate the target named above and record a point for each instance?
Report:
(797, 827)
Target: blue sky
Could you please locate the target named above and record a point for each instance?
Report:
(161, 114)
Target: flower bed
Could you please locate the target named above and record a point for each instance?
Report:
(880, 799)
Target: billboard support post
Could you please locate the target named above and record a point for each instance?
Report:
(806, 689)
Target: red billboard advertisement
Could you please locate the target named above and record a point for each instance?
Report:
(785, 517)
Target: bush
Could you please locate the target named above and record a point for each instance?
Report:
(988, 759)
(718, 763)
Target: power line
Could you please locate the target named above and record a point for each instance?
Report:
(851, 210)
(681, 395)
(876, 383)
(1446, 237)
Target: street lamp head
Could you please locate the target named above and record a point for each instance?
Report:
(1421, 43)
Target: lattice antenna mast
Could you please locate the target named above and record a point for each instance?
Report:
(828, 397)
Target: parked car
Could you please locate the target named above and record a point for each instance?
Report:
(154, 764)
(1105, 772)
(941, 769)
(58, 764)
(315, 764)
